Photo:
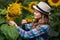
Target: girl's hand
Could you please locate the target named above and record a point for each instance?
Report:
(12, 23)
(24, 21)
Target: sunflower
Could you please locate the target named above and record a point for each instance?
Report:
(55, 3)
(30, 8)
(10, 18)
(14, 9)
(29, 20)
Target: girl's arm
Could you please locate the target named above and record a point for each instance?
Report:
(32, 33)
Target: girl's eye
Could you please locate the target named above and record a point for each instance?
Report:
(37, 12)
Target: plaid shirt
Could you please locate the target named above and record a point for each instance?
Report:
(40, 33)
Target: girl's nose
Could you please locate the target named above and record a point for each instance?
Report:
(34, 12)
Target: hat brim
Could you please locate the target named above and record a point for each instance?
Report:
(38, 9)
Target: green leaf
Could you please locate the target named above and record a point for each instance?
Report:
(1, 38)
(10, 32)
(2, 20)
(3, 12)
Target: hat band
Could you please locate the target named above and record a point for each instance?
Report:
(42, 10)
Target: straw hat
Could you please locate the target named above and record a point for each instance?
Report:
(43, 8)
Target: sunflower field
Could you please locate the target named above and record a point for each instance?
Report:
(18, 10)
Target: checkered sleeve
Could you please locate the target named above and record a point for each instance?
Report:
(28, 26)
(34, 32)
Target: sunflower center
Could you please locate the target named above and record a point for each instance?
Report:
(55, 1)
(32, 6)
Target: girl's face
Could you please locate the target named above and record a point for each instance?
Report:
(37, 14)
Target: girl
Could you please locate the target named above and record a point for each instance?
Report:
(41, 29)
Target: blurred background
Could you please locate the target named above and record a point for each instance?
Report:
(22, 9)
